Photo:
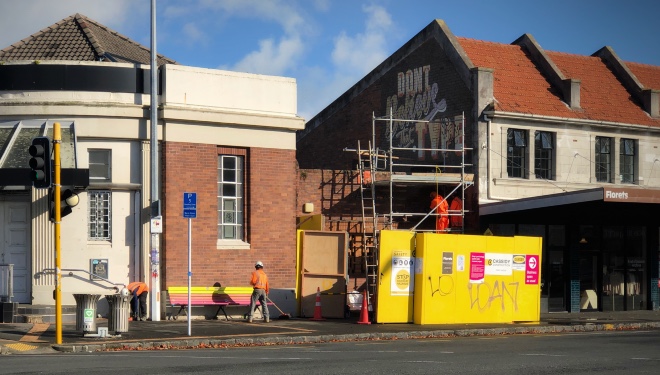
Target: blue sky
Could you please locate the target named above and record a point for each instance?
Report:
(328, 45)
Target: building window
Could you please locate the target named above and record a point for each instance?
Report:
(543, 154)
(603, 159)
(99, 166)
(627, 161)
(516, 156)
(99, 215)
(230, 197)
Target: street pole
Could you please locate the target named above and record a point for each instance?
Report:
(155, 204)
(57, 140)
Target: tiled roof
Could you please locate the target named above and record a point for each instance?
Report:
(602, 96)
(648, 75)
(78, 38)
(520, 87)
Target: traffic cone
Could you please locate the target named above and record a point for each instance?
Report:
(317, 306)
(364, 313)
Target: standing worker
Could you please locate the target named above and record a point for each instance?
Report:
(259, 281)
(456, 206)
(439, 204)
(140, 292)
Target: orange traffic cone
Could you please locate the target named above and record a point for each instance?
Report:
(317, 306)
(364, 313)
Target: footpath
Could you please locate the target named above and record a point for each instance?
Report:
(28, 338)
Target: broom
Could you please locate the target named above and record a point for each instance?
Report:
(283, 315)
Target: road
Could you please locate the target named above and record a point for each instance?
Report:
(608, 352)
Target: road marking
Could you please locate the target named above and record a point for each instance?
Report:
(543, 355)
(35, 332)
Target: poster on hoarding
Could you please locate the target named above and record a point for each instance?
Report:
(402, 270)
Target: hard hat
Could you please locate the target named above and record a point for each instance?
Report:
(259, 264)
(124, 292)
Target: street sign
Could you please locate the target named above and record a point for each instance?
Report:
(190, 205)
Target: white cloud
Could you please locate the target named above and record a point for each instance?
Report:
(364, 51)
(20, 19)
(193, 33)
(272, 58)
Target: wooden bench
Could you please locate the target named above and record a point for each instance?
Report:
(202, 296)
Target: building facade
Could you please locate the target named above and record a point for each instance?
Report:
(229, 137)
(555, 145)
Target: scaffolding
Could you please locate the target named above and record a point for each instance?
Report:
(392, 170)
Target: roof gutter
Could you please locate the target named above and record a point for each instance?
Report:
(574, 121)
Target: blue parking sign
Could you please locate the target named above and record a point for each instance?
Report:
(190, 205)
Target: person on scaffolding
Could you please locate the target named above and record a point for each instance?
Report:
(439, 204)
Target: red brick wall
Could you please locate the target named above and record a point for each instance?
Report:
(270, 211)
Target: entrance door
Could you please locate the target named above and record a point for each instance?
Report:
(589, 280)
(557, 279)
(15, 247)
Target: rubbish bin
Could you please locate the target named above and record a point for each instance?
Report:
(86, 312)
(119, 313)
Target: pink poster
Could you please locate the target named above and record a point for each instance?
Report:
(532, 269)
(477, 267)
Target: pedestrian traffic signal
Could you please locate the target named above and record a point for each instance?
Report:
(68, 200)
(40, 162)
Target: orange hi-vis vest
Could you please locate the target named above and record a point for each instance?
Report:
(260, 280)
(139, 286)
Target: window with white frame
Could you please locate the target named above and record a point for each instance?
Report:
(603, 159)
(99, 166)
(230, 197)
(544, 155)
(100, 223)
(516, 154)
(627, 156)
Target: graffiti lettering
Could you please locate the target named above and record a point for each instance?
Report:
(447, 285)
(417, 99)
(483, 295)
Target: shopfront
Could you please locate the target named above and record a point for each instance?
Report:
(603, 257)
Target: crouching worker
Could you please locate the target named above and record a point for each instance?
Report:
(259, 281)
(140, 292)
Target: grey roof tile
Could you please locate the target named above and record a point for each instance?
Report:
(78, 38)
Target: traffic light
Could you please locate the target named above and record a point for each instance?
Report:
(68, 200)
(40, 162)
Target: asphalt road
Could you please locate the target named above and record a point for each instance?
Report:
(605, 352)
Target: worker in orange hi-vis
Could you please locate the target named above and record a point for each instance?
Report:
(456, 219)
(439, 204)
(140, 292)
(259, 281)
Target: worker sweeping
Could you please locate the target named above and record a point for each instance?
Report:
(259, 282)
(439, 204)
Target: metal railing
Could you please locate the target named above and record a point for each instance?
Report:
(116, 286)
(6, 282)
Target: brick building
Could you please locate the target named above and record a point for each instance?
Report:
(229, 137)
(555, 145)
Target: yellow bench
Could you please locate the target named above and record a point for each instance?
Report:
(209, 296)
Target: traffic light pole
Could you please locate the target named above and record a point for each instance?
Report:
(57, 140)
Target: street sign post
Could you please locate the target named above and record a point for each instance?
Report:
(190, 205)
(189, 212)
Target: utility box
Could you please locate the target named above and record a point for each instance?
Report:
(119, 313)
(86, 312)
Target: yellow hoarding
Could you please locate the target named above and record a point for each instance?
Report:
(458, 278)
(396, 283)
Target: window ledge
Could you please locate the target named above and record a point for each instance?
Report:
(232, 245)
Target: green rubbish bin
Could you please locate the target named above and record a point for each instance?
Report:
(86, 312)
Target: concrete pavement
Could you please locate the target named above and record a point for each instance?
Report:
(18, 338)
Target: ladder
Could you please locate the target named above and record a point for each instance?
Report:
(367, 165)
